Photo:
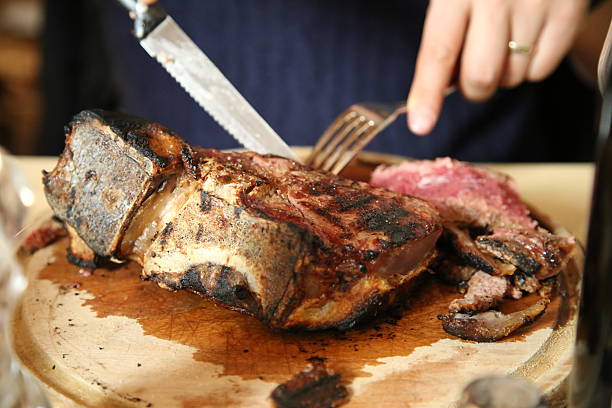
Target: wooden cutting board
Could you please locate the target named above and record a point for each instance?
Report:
(112, 340)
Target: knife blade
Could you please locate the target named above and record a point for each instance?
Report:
(165, 41)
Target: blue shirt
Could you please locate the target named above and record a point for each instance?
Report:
(302, 62)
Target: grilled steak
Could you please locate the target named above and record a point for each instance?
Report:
(315, 387)
(487, 230)
(263, 235)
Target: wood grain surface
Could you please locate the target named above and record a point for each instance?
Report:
(112, 340)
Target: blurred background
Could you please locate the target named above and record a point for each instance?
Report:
(58, 57)
(20, 63)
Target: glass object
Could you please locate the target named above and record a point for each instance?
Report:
(591, 381)
(17, 387)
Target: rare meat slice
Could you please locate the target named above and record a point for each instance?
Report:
(486, 223)
(464, 194)
(263, 235)
(487, 228)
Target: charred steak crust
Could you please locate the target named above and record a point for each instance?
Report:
(103, 175)
(140, 134)
(263, 235)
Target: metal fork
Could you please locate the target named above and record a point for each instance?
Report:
(352, 130)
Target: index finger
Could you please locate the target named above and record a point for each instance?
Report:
(441, 43)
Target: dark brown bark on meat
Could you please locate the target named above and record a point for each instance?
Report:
(315, 387)
(263, 235)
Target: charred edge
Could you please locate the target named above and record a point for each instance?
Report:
(347, 203)
(474, 261)
(233, 295)
(320, 188)
(200, 232)
(46, 179)
(130, 128)
(67, 129)
(476, 231)
(453, 328)
(462, 329)
(376, 304)
(224, 290)
(369, 308)
(58, 219)
(188, 161)
(322, 392)
(317, 243)
(139, 140)
(316, 359)
(369, 255)
(330, 217)
(388, 221)
(205, 201)
(95, 263)
(450, 242)
(166, 233)
(522, 261)
(191, 281)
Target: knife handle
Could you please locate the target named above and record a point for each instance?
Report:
(147, 14)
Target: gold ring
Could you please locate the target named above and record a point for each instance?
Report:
(518, 48)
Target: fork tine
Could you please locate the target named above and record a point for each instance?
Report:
(336, 125)
(350, 154)
(339, 142)
(347, 144)
(347, 127)
(352, 130)
(363, 141)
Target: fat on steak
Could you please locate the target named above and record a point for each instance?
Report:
(263, 235)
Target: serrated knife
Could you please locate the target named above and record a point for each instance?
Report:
(165, 41)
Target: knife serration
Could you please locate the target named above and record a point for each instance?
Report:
(205, 83)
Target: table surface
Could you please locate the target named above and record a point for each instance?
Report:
(560, 190)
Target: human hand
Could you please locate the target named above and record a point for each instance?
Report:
(469, 40)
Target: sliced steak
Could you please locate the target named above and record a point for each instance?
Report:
(484, 292)
(458, 241)
(263, 235)
(464, 194)
(534, 252)
(493, 325)
(451, 271)
(487, 228)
